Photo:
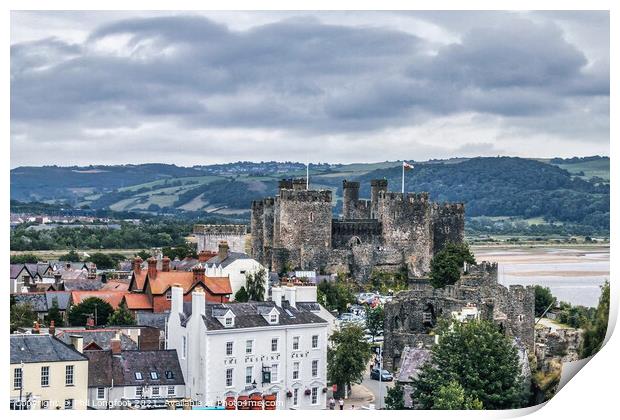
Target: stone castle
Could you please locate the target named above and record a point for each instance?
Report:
(296, 230)
(410, 319)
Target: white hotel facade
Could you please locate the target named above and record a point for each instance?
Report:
(238, 350)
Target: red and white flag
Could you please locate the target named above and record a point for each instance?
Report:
(407, 166)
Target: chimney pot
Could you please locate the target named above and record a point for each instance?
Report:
(52, 327)
(152, 270)
(90, 323)
(137, 265)
(165, 264)
(36, 329)
(198, 272)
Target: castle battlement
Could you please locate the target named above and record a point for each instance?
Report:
(306, 195)
(356, 226)
(220, 229)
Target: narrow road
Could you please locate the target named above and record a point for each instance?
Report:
(374, 387)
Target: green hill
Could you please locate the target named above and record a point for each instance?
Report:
(564, 191)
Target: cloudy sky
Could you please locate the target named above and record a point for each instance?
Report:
(197, 88)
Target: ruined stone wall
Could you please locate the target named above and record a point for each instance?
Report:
(448, 224)
(406, 224)
(415, 312)
(209, 236)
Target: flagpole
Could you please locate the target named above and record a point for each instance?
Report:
(307, 175)
(403, 183)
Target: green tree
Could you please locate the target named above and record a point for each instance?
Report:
(24, 259)
(72, 256)
(446, 265)
(480, 358)
(255, 285)
(543, 299)
(144, 255)
(395, 398)
(102, 261)
(79, 314)
(374, 320)
(347, 356)
(451, 396)
(121, 316)
(241, 295)
(595, 331)
(335, 296)
(22, 316)
(53, 314)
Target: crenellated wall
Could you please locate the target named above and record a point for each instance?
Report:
(385, 233)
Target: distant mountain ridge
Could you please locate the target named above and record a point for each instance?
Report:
(572, 190)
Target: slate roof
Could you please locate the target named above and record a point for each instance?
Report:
(40, 268)
(42, 301)
(17, 268)
(100, 337)
(150, 319)
(37, 301)
(412, 360)
(37, 348)
(104, 367)
(248, 314)
(230, 258)
(82, 284)
(62, 298)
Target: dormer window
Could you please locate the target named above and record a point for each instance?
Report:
(273, 319)
(138, 376)
(169, 374)
(154, 375)
(228, 321)
(169, 294)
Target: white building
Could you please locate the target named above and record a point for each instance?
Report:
(236, 351)
(235, 265)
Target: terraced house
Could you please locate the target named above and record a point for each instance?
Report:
(251, 355)
(46, 373)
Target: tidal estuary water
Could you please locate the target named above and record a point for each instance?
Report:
(573, 274)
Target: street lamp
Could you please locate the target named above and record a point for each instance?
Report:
(21, 383)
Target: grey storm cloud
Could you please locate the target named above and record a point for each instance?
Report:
(298, 75)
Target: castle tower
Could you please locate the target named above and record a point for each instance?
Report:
(448, 224)
(376, 186)
(350, 197)
(407, 225)
(304, 225)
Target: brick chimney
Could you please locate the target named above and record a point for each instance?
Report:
(90, 323)
(152, 271)
(204, 256)
(137, 265)
(36, 329)
(52, 328)
(165, 264)
(92, 271)
(198, 272)
(115, 344)
(222, 250)
(57, 280)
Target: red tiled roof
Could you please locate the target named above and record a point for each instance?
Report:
(137, 301)
(166, 279)
(112, 297)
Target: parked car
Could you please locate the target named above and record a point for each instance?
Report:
(385, 375)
